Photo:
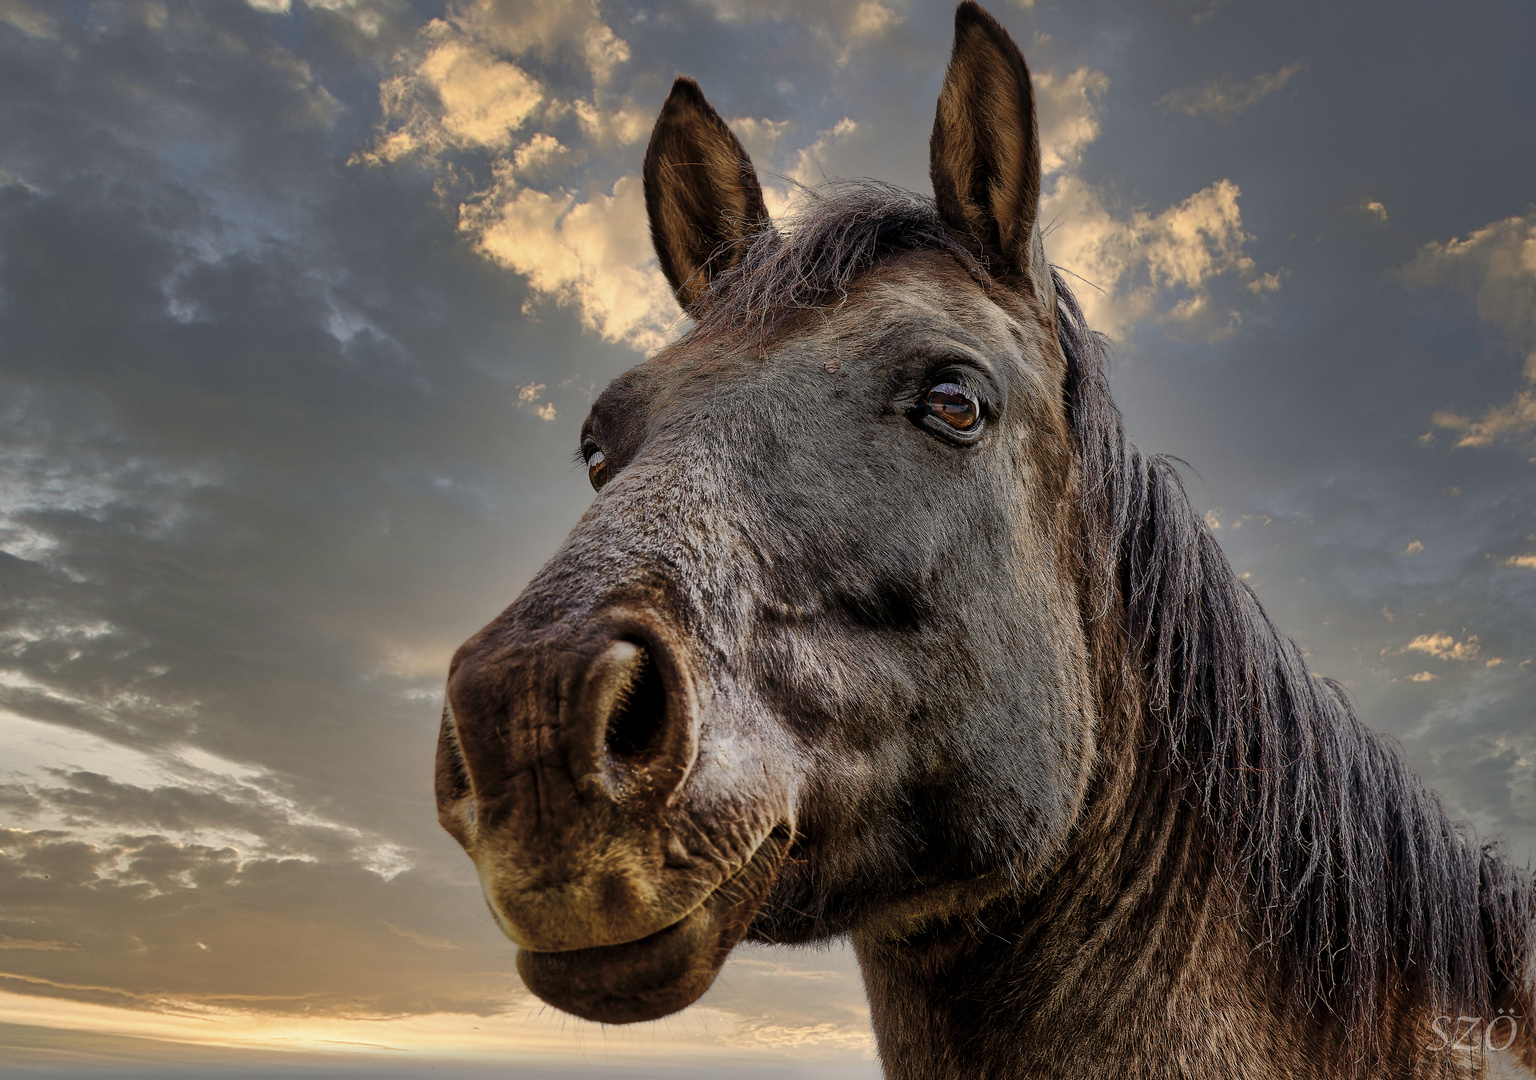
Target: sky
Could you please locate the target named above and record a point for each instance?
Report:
(302, 303)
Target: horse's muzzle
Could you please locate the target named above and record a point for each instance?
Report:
(568, 743)
(556, 766)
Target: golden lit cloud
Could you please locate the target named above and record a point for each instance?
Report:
(1131, 264)
(1513, 418)
(1496, 266)
(593, 255)
(465, 92)
(484, 100)
(528, 398)
(521, 1029)
(1440, 646)
(548, 29)
(590, 250)
(460, 94)
(1068, 113)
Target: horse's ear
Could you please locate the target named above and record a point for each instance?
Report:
(701, 193)
(984, 155)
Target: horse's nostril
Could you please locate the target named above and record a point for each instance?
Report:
(630, 727)
(452, 781)
(454, 784)
(624, 707)
(639, 707)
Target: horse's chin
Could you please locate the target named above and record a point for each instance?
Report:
(663, 972)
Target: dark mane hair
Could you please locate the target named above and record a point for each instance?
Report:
(1356, 874)
(1357, 878)
(842, 228)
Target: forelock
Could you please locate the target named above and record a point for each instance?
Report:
(840, 230)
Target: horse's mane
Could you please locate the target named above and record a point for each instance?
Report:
(1358, 879)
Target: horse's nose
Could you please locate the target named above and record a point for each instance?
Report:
(532, 731)
(559, 756)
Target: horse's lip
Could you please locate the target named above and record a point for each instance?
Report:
(664, 971)
(639, 980)
(594, 950)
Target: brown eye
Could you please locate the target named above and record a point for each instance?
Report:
(597, 469)
(953, 404)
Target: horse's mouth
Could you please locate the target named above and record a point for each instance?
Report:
(662, 972)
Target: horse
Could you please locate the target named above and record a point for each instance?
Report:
(878, 627)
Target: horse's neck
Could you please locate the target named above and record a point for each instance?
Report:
(1121, 966)
(1130, 961)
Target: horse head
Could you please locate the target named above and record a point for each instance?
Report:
(815, 659)
(878, 626)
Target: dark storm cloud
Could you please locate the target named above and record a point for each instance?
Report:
(271, 441)
(263, 469)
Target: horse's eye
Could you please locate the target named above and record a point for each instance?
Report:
(597, 469)
(953, 404)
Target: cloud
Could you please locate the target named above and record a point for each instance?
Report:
(463, 92)
(584, 245)
(190, 930)
(593, 255)
(1132, 264)
(548, 29)
(827, 156)
(1496, 266)
(838, 26)
(1068, 108)
(460, 94)
(1414, 547)
(1376, 209)
(38, 491)
(1512, 419)
(760, 137)
(623, 124)
(528, 398)
(35, 946)
(1440, 646)
(98, 790)
(1527, 561)
(484, 100)
(29, 18)
(426, 941)
(801, 1037)
(1225, 97)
